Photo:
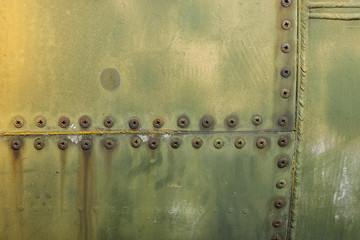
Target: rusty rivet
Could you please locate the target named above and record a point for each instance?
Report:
(18, 122)
(86, 144)
(153, 143)
(282, 162)
(136, 142)
(39, 143)
(85, 122)
(158, 123)
(108, 122)
(232, 122)
(239, 142)
(257, 120)
(197, 142)
(16, 144)
(40, 122)
(64, 122)
(207, 122)
(134, 123)
(218, 143)
(183, 122)
(285, 93)
(283, 121)
(63, 144)
(175, 143)
(286, 24)
(283, 141)
(285, 47)
(279, 203)
(281, 183)
(109, 144)
(286, 3)
(261, 143)
(286, 72)
(277, 223)
(276, 237)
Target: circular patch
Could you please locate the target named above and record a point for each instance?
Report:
(110, 79)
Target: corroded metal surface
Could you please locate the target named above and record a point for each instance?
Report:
(326, 193)
(147, 119)
(139, 193)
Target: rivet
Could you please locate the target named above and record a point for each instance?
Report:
(257, 120)
(197, 143)
(207, 122)
(109, 144)
(39, 143)
(158, 123)
(279, 203)
(153, 143)
(126, 209)
(286, 24)
(277, 223)
(183, 122)
(18, 122)
(285, 93)
(281, 183)
(86, 144)
(286, 72)
(85, 122)
(63, 144)
(276, 237)
(283, 141)
(108, 122)
(283, 121)
(218, 143)
(64, 122)
(175, 143)
(286, 3)
(40, 122)
(136, 142)
(282, 162)
(285, 47)
(16, 144)
(134, 123)
(261, 143)
(239, 142)
(232, 122)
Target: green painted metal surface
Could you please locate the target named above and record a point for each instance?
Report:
(145, 59)
(326, 194)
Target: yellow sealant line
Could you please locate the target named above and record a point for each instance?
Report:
(85, 133)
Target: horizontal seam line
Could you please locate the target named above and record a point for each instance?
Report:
(120, 132)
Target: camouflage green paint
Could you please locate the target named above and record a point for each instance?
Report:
(326, 192)
(173, 58)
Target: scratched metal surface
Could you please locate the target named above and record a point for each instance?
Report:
(129, 193)
(174, 58)
(327, 196)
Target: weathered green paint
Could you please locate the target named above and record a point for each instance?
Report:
(130, 193)
(174, 58)
(326, 194)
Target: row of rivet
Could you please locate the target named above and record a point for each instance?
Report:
(134, 123)
(285, 93)
(153, 143)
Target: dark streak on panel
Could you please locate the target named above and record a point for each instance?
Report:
(18, 192)
(62, 177)
(86, 185)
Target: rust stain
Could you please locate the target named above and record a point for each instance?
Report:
(17, 196)
(86, 191)
(62, 177)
